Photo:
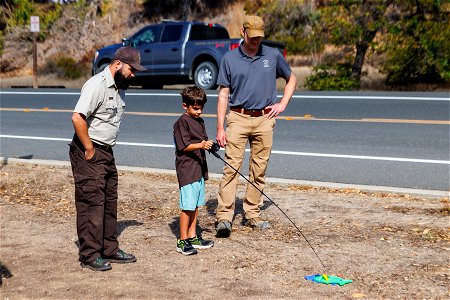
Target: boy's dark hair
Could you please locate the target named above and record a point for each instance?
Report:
(193, 95)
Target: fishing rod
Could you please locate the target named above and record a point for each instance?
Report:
(216, 147)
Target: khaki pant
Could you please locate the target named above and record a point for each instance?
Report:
(258, 131)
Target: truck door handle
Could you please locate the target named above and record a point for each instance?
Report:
(174, 49)
(147, 50)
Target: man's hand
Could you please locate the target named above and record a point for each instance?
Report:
(89, 153)
(81, 129)
(289, 89)
(275, 110)
(222, 105)
(221, 138)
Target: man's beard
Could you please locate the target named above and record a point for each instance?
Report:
(121, 81)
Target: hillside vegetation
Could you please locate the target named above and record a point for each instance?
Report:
(406, 42)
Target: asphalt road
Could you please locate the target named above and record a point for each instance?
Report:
(381, 139)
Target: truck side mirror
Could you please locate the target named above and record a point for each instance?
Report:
(125, 42)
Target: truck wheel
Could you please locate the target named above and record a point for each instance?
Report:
(101, 68)
(205, 75)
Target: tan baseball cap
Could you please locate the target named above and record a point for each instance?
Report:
(131, 56)
(254, 26)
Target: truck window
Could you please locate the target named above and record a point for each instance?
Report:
(204, 32)
(171, 33)
(146, 36)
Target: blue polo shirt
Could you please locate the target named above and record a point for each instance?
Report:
(252, 80)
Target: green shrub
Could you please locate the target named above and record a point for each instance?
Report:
(50, 16)
(332, 78)
(64, 67)
(418, 51)
(21, 10)
(289, 22)
(71, 69)
(105, 7)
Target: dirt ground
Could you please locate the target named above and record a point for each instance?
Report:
(391, 246)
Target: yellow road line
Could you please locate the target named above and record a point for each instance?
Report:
(288, 118)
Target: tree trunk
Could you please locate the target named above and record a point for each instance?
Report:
(369, 21)
(361, 50)
(185, 9)
(359, 62)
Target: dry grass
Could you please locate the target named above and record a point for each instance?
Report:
(390, 246)
(45, 80)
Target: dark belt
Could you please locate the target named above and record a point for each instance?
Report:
(77, 141)
(102, 147)
(251, 112)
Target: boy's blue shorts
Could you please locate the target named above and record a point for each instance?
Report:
(192, 195)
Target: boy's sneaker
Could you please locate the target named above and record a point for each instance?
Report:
(199, 243)
(185, 247)
(223, 228)
(256, 223)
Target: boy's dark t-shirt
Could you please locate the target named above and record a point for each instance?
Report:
(191, 166)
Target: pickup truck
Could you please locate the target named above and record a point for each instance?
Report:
(177, 52)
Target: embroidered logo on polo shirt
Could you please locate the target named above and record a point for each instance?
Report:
(266, 63)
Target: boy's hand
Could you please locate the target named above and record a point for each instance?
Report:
(206, 145)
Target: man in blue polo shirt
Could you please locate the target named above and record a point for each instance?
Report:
(247, 80)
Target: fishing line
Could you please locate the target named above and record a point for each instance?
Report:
(214, 150)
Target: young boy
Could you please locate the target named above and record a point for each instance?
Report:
(191, 142)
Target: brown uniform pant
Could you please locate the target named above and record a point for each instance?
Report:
(258, 132)
(96, 202)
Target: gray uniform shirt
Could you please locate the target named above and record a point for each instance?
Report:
(252, 80)
(103, 105)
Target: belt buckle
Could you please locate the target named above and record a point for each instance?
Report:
(255, 113)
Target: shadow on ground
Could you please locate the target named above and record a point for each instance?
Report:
(121, 226)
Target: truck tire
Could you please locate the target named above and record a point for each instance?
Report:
(101, 67)
(205, 75)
